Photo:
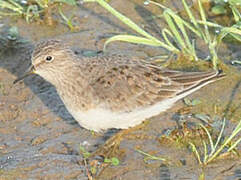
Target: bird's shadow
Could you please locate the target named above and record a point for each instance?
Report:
(230, 102)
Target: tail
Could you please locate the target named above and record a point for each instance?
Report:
(194, 81)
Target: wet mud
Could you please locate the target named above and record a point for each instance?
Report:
(39, 139)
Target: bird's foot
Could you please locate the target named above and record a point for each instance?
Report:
(111, 146)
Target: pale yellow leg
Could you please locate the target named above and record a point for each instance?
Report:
(111, 146)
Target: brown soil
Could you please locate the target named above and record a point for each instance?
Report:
(40, 140)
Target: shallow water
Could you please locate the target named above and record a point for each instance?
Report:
(40, 140)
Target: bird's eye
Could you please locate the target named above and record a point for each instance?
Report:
(49, 58)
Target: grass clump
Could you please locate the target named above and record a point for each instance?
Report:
(176, 37)
(36, 10)
(222, 7)
(218, 147)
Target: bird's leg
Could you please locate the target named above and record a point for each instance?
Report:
(111, 146)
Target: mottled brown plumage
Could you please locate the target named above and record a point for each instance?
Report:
(113, 91)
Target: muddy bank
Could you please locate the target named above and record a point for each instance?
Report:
(39, 139)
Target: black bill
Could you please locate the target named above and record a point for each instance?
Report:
(29, 71)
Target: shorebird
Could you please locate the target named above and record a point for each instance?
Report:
(114, 91)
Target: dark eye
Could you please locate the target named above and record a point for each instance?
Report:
(49, 58)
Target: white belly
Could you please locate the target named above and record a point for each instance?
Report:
(101, 119)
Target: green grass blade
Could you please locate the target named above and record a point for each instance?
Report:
(190, 15)
(10, 6)
(174, 30)
(232, 30)
(193, 20)
(158, 4)
(203, 17)
(67, 20)
(211, 24)
(180, 25)
(195, 151)
(28, 14)
(209, 137)
(132, 39)
(237, 37)
(234, 133)
(9, 14)
(174, 15)
(219, 137)
(221, 36)
(16, 4)
(42, 4)
(236, 13)
(212, 49)
(129, 23)
(192, 29)
(234, 145)
(211, 45)
(237, 129)
(183, 38)
(151, 156)
(194, 49)
(166, 32)
(70, 2)
(202, 176)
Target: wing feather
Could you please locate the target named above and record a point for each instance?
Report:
(125, 84)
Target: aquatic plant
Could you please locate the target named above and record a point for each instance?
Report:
(35, 9)
(217, 148)
(178, 30)
(151, 157)
(224, 6)
(114, 161)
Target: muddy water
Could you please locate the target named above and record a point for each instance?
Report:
(40, 140)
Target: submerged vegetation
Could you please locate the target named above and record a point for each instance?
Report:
(218, 148)
(176, 37)
(228, 7)
(35, 10)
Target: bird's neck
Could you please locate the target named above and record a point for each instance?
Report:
(74, 88)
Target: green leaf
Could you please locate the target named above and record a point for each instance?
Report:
(131, 24)
(202, 176)
(219, 9)
(190, 102)
(85, 153)
(196, 102)
(106, 160)
(93, 170)
(115, 161)
(70, 2)
(187, 101)
(132, 39)
(235, 2)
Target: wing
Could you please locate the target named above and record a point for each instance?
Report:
(124, 85)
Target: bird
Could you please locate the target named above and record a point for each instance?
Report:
(112, 91)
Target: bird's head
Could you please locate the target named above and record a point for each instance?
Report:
(49, 58)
